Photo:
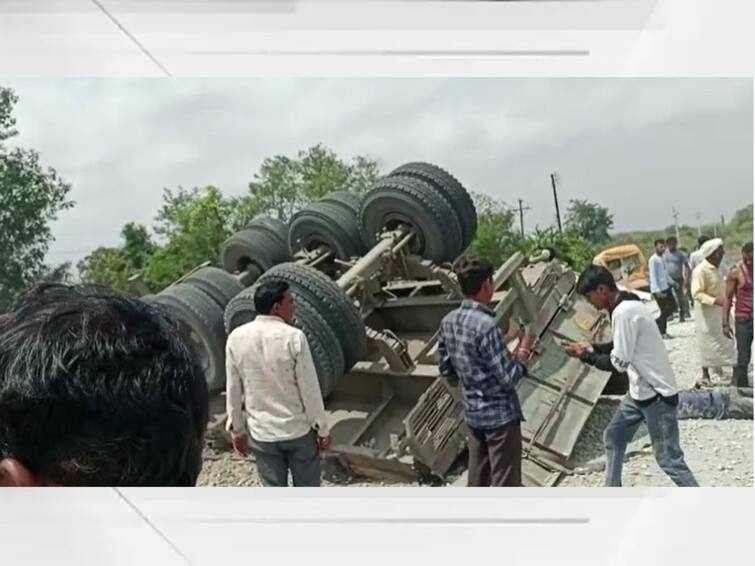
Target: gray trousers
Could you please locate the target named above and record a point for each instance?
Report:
(682, 302)
(663, 427)
(301, 456)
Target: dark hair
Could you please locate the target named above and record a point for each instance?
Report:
(659, 241)
(702, 239)
(268, 295)
(747, 248)
(97, 389)
(593, 277)
(472, 272)
(672, 240)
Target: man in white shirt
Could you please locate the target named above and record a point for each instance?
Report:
(271, 372)
(638, 350)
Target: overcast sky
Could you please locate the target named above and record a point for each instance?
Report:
(638, 147)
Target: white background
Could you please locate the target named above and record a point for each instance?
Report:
(376, 526)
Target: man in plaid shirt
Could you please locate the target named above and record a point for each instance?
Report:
(471, 350)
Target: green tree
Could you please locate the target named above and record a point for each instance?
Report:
(496, 238)
(570, 246)
(284, 184)
(590, 220)
(138, 246)
(194, 223)
(31, 197)
(112, 267)
(105, 266)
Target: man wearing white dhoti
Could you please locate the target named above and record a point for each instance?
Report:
(709, 291)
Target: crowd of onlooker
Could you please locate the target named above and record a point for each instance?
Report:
(98, 388)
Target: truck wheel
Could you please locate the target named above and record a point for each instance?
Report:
(240, 309)
(200, 323)
(451, 188)
(349, 201)
(323, 343)
(272, 225)
(217, 284)
(253, 247)
(329, 225)
(399, 201)
(330, 302)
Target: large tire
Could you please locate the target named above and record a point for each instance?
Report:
(200, 322)
(323, 343)
(403, 200)
(240, 309)
(451, 188)
(327, 224)
(347, 200)
(272, 225)
(217, 284)
(336, 308)
(256, 247)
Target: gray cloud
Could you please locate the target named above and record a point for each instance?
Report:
(638, 146)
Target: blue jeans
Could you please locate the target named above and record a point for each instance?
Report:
(662, 424)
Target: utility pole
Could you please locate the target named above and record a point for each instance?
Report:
(699, 231)
(675, 214)
(555, 198)
(521, 216)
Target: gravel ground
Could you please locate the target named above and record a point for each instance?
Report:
(718, 452)
(221, 468)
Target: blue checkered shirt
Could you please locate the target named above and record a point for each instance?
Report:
(471, 347)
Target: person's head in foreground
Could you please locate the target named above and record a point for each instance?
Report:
(713, 251)
(475, 277)
(274, 298)
(747, 254)
(97, 389)
(597, 285)
(672, 244)
(702, 239)
(660, 246)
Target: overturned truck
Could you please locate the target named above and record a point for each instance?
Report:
(372, 280)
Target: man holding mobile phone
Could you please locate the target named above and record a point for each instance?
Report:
(472, 351)
(638, 350)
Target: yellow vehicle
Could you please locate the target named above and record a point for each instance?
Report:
(628, 265)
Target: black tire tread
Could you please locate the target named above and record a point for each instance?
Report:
(271, 225)
(243, 302)
(452, 189)
(216, 283)
(323, 343)
(184, 299)
(346, 199)
(436, 206)
(263, 248)
(342, 226)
